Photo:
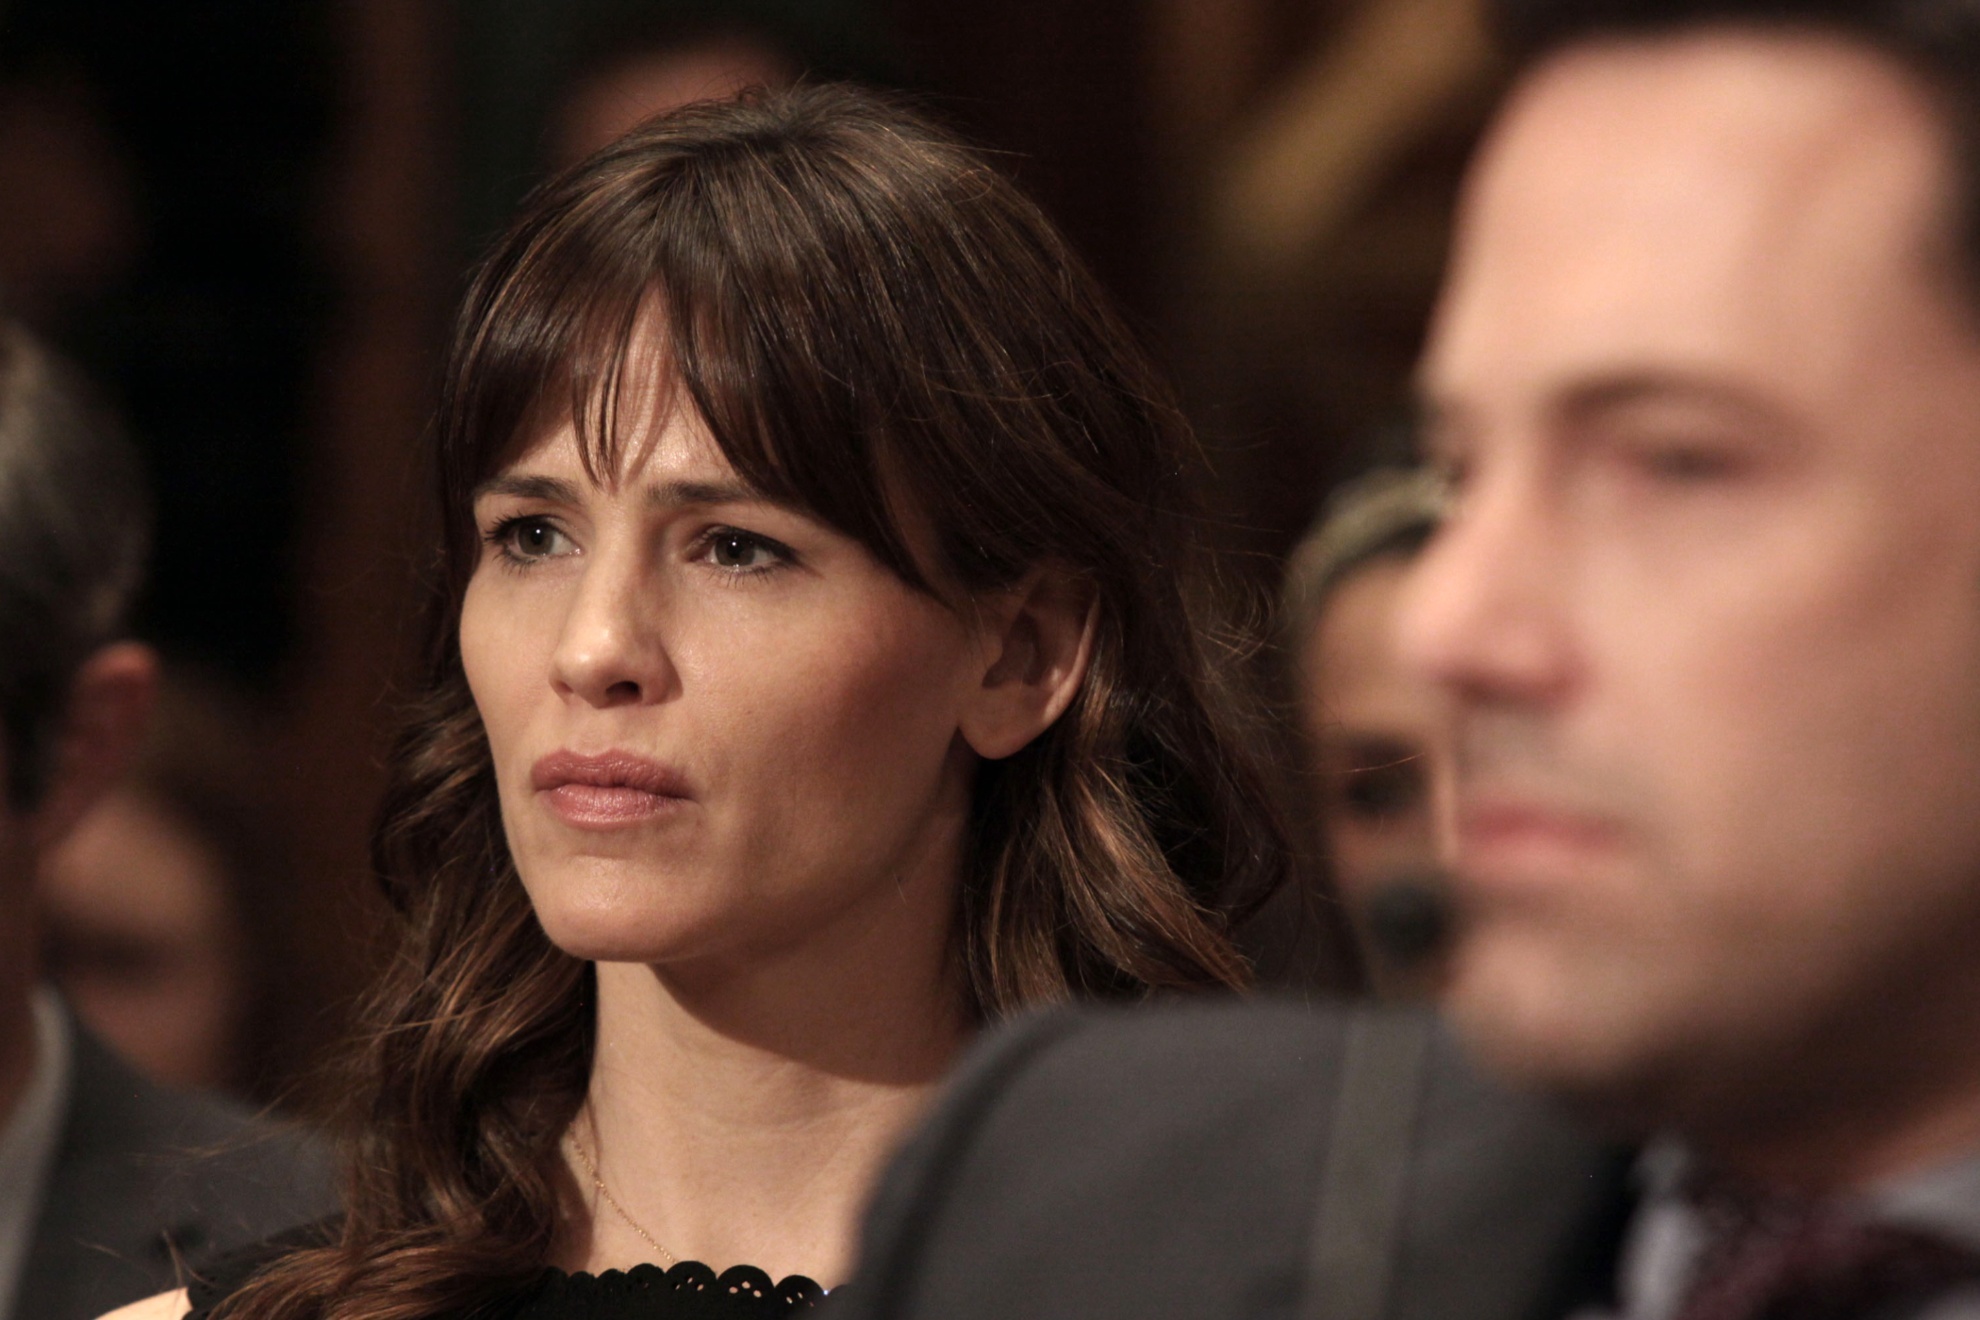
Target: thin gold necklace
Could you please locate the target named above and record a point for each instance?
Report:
(591, 1167)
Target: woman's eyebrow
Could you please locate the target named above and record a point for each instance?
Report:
(669, 494)
(551, 489)
(679, 494)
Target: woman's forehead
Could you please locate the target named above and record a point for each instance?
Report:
(662, 441)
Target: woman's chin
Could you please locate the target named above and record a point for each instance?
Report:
(619, 935)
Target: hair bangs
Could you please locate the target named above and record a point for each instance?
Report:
(616, 307)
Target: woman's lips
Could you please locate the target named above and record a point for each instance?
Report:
(608, 789)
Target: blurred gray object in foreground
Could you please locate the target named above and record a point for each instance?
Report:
(1237, 1162)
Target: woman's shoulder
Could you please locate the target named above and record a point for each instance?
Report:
(165, 1306)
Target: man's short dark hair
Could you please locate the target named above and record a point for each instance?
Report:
(1937, 40)
(1944, 30)
(74, 528)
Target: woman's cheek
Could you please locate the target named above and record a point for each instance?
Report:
(845, 703)
(504, 656)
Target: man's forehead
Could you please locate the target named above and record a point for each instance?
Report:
(1730, 201)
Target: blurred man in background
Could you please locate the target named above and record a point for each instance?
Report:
(1706, 379)
(101, 1193)
(1707, 375)
(1375, 733)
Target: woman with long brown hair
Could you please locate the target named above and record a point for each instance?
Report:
(809, 682)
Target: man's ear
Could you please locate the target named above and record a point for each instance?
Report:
(110, 706)
(1038, 643)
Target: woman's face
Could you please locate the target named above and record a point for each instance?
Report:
(719, 726)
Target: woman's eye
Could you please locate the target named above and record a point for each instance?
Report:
(743, 552)
(530, 539)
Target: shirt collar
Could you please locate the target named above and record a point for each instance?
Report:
(1944, 1200)
(1667, 1235)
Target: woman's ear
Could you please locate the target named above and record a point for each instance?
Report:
(1037, 644)
(110, 705)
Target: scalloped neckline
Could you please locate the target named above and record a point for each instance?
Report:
(688, 1267)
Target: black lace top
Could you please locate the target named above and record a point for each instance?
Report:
(688, 1291)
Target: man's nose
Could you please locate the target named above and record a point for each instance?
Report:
(1484, 613)
(611, 651)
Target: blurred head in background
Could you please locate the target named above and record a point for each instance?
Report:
(1376, 731)
(74, 697)
(634, 71)
(1706, 377)
(154, 909)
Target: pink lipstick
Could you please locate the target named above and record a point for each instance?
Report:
(608, 790)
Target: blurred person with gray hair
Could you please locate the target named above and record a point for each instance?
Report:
(107, 1183)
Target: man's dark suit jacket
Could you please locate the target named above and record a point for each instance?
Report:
(145, 1179)
(1255, 1161)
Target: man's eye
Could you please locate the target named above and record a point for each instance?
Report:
(1688, 463)
(743, 552)
(1681, 451)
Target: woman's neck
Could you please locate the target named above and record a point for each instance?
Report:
(738, 1114)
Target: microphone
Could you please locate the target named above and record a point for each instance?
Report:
(1412, 917)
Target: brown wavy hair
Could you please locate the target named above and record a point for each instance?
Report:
(868, 317)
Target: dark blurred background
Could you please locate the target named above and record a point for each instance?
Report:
(248, 220)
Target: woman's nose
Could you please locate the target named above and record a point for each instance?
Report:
(611, 651)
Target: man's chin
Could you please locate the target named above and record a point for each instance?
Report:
(1560, 1048)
